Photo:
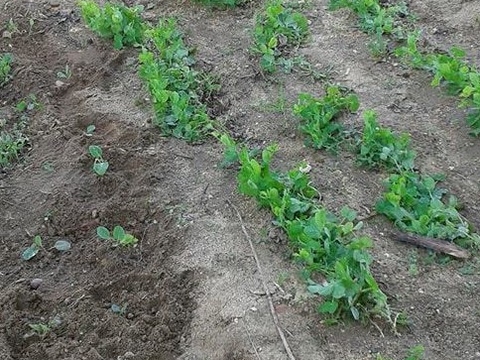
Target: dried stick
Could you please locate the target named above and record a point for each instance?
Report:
(251, 340)
(265, 288)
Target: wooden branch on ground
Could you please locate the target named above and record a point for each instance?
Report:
(438, 245)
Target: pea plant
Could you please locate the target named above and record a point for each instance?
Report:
(277, 29)
(166, 67)
(412, 200)
(322, 242)
(114, 21)
(100, 165)
(318, 117)
(415, 204)
(379, 147)
(118, 235)
(173, 84)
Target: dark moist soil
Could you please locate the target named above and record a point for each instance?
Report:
(190, 288)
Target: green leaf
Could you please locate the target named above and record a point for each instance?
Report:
(90, 129)
(118, 233)
(348, 214)
(95, 151)
(355, 313)
(328, 307)
(30, 252)
(37, 241)
(116, 308)
(103, 233)
(100, 167)
(338, 291)
(128, 239)
(62, 245)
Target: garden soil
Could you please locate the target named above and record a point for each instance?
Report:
(191, 288)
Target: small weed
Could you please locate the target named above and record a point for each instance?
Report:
(277, 106)
(40, 329)
(414, 203)
(471, 268)
(48, 167)
(13, 139)
(221, 3)
(115, 21)
(277, 29)
(65, 73)
(306, 69)
(11, 145)
(413, 263)
(318, 117)
(380, 147)
(120, 310)
(416, 353)
(209, 85)
(282, 278)
(118, 235)
(12, 27)
(100, 165)
(5, 68)
(28, 104)
(31, 23)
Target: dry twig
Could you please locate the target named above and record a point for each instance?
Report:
(262, 278)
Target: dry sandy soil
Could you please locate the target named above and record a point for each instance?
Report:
(191, 289)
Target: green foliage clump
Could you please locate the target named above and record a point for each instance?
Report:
(318, 117)
(173, 84)
(414, 202)
(277, 29)
(114, 21)
(380, 147)
(324, 243)
(165, 66)
(5, 68)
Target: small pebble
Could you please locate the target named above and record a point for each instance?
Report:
(35, 283)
